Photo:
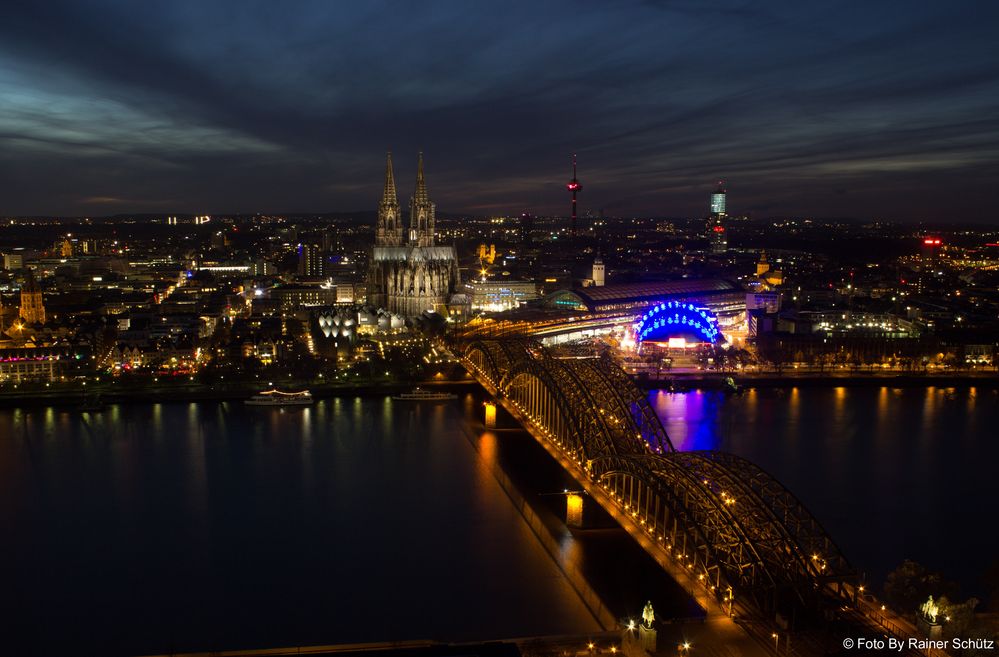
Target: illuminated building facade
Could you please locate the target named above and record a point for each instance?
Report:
(413, 275)
(13, 261)
(34, 364)
(497, 296)
(294, 297)
(311, 261)
(599, 272)
(678, 323)
(32, 308)
(590, 310)
(718, 201)
(766, 276)
(724, 298)
(717, 235)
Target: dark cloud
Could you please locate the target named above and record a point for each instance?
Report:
(839, 108)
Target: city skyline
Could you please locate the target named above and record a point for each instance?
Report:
(839, 111)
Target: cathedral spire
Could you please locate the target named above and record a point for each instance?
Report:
(389, 197)
(388, 230)
(421, 195)
(421, 211)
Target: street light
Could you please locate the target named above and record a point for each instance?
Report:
(776, 642)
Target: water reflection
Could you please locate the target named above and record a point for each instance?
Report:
(690, 419)
(216, 516)
(873, 464)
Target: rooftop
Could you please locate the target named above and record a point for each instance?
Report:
(648, 291)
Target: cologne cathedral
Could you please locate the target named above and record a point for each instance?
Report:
(409, 274)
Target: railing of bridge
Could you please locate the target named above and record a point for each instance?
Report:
(736, 528)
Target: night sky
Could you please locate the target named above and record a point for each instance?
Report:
(862, 109)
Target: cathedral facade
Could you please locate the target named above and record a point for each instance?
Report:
(410, 274)
(32, 308)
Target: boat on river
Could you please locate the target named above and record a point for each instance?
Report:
(418, 394)
(275, 397)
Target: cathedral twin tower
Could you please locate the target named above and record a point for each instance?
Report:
(389, 230)
(409, 274)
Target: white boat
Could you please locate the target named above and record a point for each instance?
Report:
(424, 395)
(275, 397)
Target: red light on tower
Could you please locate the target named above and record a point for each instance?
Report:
(573, 186)
(932, 241)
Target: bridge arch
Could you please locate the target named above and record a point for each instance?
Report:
(733, 526)
(594, 397)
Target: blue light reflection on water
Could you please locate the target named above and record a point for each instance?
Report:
(890, 473)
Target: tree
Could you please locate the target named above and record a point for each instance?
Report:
(957, 617)
(774, 353)
(909, 585)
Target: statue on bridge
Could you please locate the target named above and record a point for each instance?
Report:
(648, 615)
(930, 609)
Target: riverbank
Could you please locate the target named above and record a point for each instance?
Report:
(118, 393)
(682, 381)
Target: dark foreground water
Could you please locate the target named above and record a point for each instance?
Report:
(152, 528)
(890, 473)
(166, 527)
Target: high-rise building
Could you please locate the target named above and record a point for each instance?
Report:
(718, 200)
(32, 308)
(311, 260)
(717, 236)
(414, 276)
(526, 226)
(13, 261)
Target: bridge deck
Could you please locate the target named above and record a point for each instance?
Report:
(731, 535)
(720, 633)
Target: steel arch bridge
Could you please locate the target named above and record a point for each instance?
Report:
(723, 520)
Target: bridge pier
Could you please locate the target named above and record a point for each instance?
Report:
(639, 641)
(707, 518)
(490, 418)
(578, 510)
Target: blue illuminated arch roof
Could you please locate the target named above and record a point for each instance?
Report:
(672, 318)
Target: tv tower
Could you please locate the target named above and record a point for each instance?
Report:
(573, 187)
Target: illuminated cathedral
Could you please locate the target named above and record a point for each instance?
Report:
(409, 274)
(32, 307)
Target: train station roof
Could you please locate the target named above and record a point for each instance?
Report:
(597, 297)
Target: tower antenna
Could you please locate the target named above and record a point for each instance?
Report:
(573, 187)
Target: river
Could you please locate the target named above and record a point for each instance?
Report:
(151, 528)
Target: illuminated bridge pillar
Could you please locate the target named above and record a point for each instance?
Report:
(490, 419)
(578, 510)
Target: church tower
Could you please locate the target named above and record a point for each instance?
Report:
(388, 230)
(32, 310)
(408, 274)
(421, 212)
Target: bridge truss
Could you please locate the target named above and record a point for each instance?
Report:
(734, 527)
